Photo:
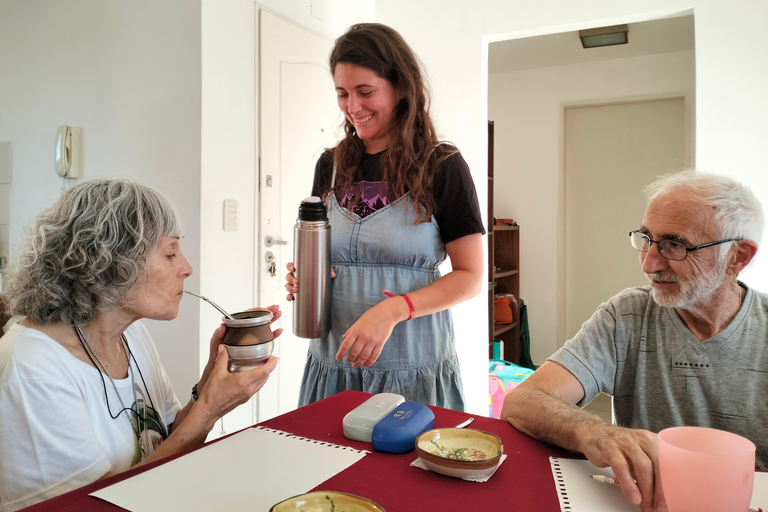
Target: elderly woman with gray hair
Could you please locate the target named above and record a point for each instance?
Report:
(83, 394)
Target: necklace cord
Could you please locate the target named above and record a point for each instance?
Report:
(139, 428)
(136, 363)
(103, 383)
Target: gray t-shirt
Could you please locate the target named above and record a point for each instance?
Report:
(660, 375)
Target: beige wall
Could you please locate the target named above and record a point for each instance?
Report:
(152, 86)
(128, 74)
(165, 92)
(527, 107)
(451, 37)
(6, 165)
(612, 151)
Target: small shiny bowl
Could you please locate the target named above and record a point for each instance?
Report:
(460, 452)
(326, 501)
(248, 357)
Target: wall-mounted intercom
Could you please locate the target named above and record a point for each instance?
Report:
(68, 151)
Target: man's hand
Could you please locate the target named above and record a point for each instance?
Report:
(543, 406)
(633, 455)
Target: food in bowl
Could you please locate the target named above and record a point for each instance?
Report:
(326, 501)
(460, 452)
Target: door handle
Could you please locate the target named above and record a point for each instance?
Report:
(269, 242)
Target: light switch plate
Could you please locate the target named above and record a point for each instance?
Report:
(230, 215)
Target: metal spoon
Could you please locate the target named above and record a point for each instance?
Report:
(211, 303)
(464, 424)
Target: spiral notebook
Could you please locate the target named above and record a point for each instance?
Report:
(578, 492)
(249, 471)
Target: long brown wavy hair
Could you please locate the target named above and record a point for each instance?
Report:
(414, 153)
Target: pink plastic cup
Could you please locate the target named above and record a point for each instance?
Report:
(706, 470)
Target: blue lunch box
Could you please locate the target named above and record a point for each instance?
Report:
(398, 430)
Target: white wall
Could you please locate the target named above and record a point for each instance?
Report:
(6, 164)
(128, 74)
(451, 38)
(161, 95)
(135, 74)
(527, 107)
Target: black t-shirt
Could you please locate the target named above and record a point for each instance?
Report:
(457, 211)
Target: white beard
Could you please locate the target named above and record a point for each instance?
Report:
(693, 291)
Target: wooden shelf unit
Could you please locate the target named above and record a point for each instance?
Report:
(503, 272)
(506, 279)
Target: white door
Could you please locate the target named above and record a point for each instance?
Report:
(299, 117)
(611, 153)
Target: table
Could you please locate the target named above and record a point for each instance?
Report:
(523, 482)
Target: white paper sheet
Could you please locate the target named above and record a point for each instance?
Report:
(577, 490)
(247, 472)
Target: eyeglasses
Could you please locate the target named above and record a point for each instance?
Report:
(670, 249)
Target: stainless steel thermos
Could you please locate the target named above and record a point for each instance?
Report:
(312, 259)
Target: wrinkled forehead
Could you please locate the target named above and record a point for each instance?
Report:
(166, 240)
(678, 213)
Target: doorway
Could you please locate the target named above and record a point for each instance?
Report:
(611, 152)
(531, 81)
(297, 122)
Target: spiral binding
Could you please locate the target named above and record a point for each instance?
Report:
(313, 441)
(562, 492)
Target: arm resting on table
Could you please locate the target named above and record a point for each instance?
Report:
(543, 406)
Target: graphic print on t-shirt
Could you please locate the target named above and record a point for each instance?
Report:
(146, 420)
(374, 195)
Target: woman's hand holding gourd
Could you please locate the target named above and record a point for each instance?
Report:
(222, 391)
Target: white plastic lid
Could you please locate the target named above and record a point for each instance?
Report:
(359, 422)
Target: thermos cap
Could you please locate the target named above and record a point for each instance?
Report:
(312, 209)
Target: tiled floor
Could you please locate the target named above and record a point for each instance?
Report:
(601, 407)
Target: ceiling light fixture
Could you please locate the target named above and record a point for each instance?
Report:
(604, 36)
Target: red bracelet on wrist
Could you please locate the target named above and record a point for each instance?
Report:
(410, 305)
(407, 300)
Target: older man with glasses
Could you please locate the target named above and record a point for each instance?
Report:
(690, 349)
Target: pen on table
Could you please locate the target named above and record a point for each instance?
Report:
(613, 481)
(606, 479)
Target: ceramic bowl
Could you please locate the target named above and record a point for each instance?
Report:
(460, 452)
(326, 501)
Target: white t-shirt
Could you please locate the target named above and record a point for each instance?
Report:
(56, 431)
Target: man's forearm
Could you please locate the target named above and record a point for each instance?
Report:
(548, 419)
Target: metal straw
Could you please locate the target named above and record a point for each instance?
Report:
(211, 303)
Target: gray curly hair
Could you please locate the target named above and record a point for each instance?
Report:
(87, 251)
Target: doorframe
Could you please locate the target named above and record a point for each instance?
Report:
(689, 141)
(257, 8)
(258, 236)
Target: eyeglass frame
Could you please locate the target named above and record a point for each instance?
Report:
(687, 249)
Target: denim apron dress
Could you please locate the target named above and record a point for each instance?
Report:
(385, 251)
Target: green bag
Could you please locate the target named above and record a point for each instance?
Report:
(525, 340)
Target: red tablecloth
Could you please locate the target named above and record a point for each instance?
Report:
(522, 483)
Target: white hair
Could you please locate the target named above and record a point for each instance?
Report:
(738, 213)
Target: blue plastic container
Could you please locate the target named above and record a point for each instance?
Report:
(398, 430)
